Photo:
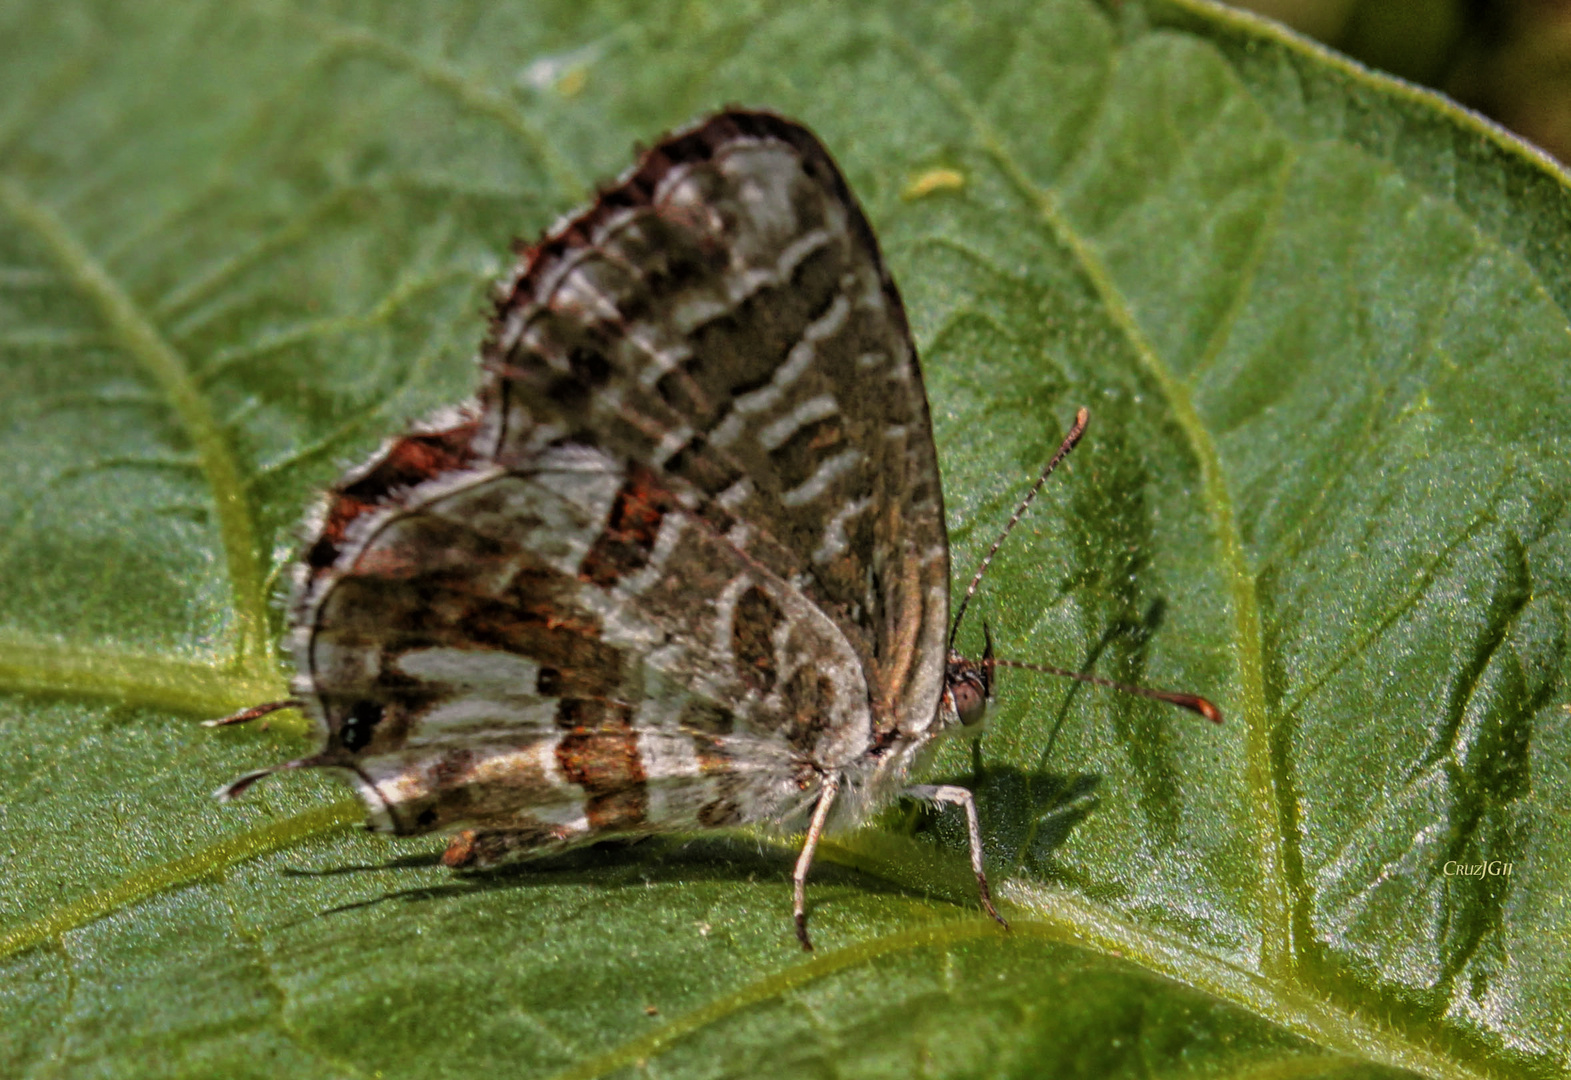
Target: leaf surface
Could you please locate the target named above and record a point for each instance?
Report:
(1319, 319)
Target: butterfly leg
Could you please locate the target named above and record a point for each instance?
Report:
(959, 796)
(815, 829)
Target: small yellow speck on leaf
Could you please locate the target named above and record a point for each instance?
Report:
(572, 82)
(925, 183)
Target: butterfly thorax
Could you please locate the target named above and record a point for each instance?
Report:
(900, 752)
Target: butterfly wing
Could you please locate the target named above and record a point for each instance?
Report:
(685, 560)
(723, 317)
(553, 651)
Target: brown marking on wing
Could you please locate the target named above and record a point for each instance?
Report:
(496, 783)
(740, 351)
(478, 849)
(637, 190)
(535, 616)
(676, 247)
(407, 462)
(709, 472)
(714, 757)
(508, 602)
(584, 715)
(811, 697)
(586, 677)
(564, 640)
(453, 768)
(799, 456)
(388, 564)
(561, 378)
(588, 369)
(461, 849)
(716, 763)
(669, 255)
(726, 810)
(607, 766)
(706, 718)
(903, 617)
(752, 639)
(628, 390)
(629, 537)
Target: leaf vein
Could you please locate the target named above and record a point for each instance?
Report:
(1426, 580)
(163, 877)
(1277, 954)
(281, 995)
(169, 369)
(474, 96)
(42, 666)
(1222, 332)
(382, 312)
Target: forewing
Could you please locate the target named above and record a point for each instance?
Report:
(723, 318)
(565, 647)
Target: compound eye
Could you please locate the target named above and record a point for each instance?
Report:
(970, 701)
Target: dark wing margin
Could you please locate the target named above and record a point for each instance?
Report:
(722, 316)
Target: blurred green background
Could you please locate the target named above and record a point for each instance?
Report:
(1509, 59)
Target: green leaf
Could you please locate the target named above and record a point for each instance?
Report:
(1319, 319)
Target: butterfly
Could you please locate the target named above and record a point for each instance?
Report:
(682, 564)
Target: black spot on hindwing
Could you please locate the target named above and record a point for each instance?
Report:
(359, 725)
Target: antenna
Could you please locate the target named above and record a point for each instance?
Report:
(1193, 702)
(1067, 445)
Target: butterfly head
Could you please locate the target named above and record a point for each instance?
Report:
(968, 686)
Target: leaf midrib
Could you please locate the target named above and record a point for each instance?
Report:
(161, 877)
(1277, 957)
(141, 339)
(1078, 923)
(169, 369)
(1050, 914)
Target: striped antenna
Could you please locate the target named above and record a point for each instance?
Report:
(1067, 445)
(1193, 702)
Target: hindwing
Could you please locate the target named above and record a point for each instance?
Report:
(500, 648)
